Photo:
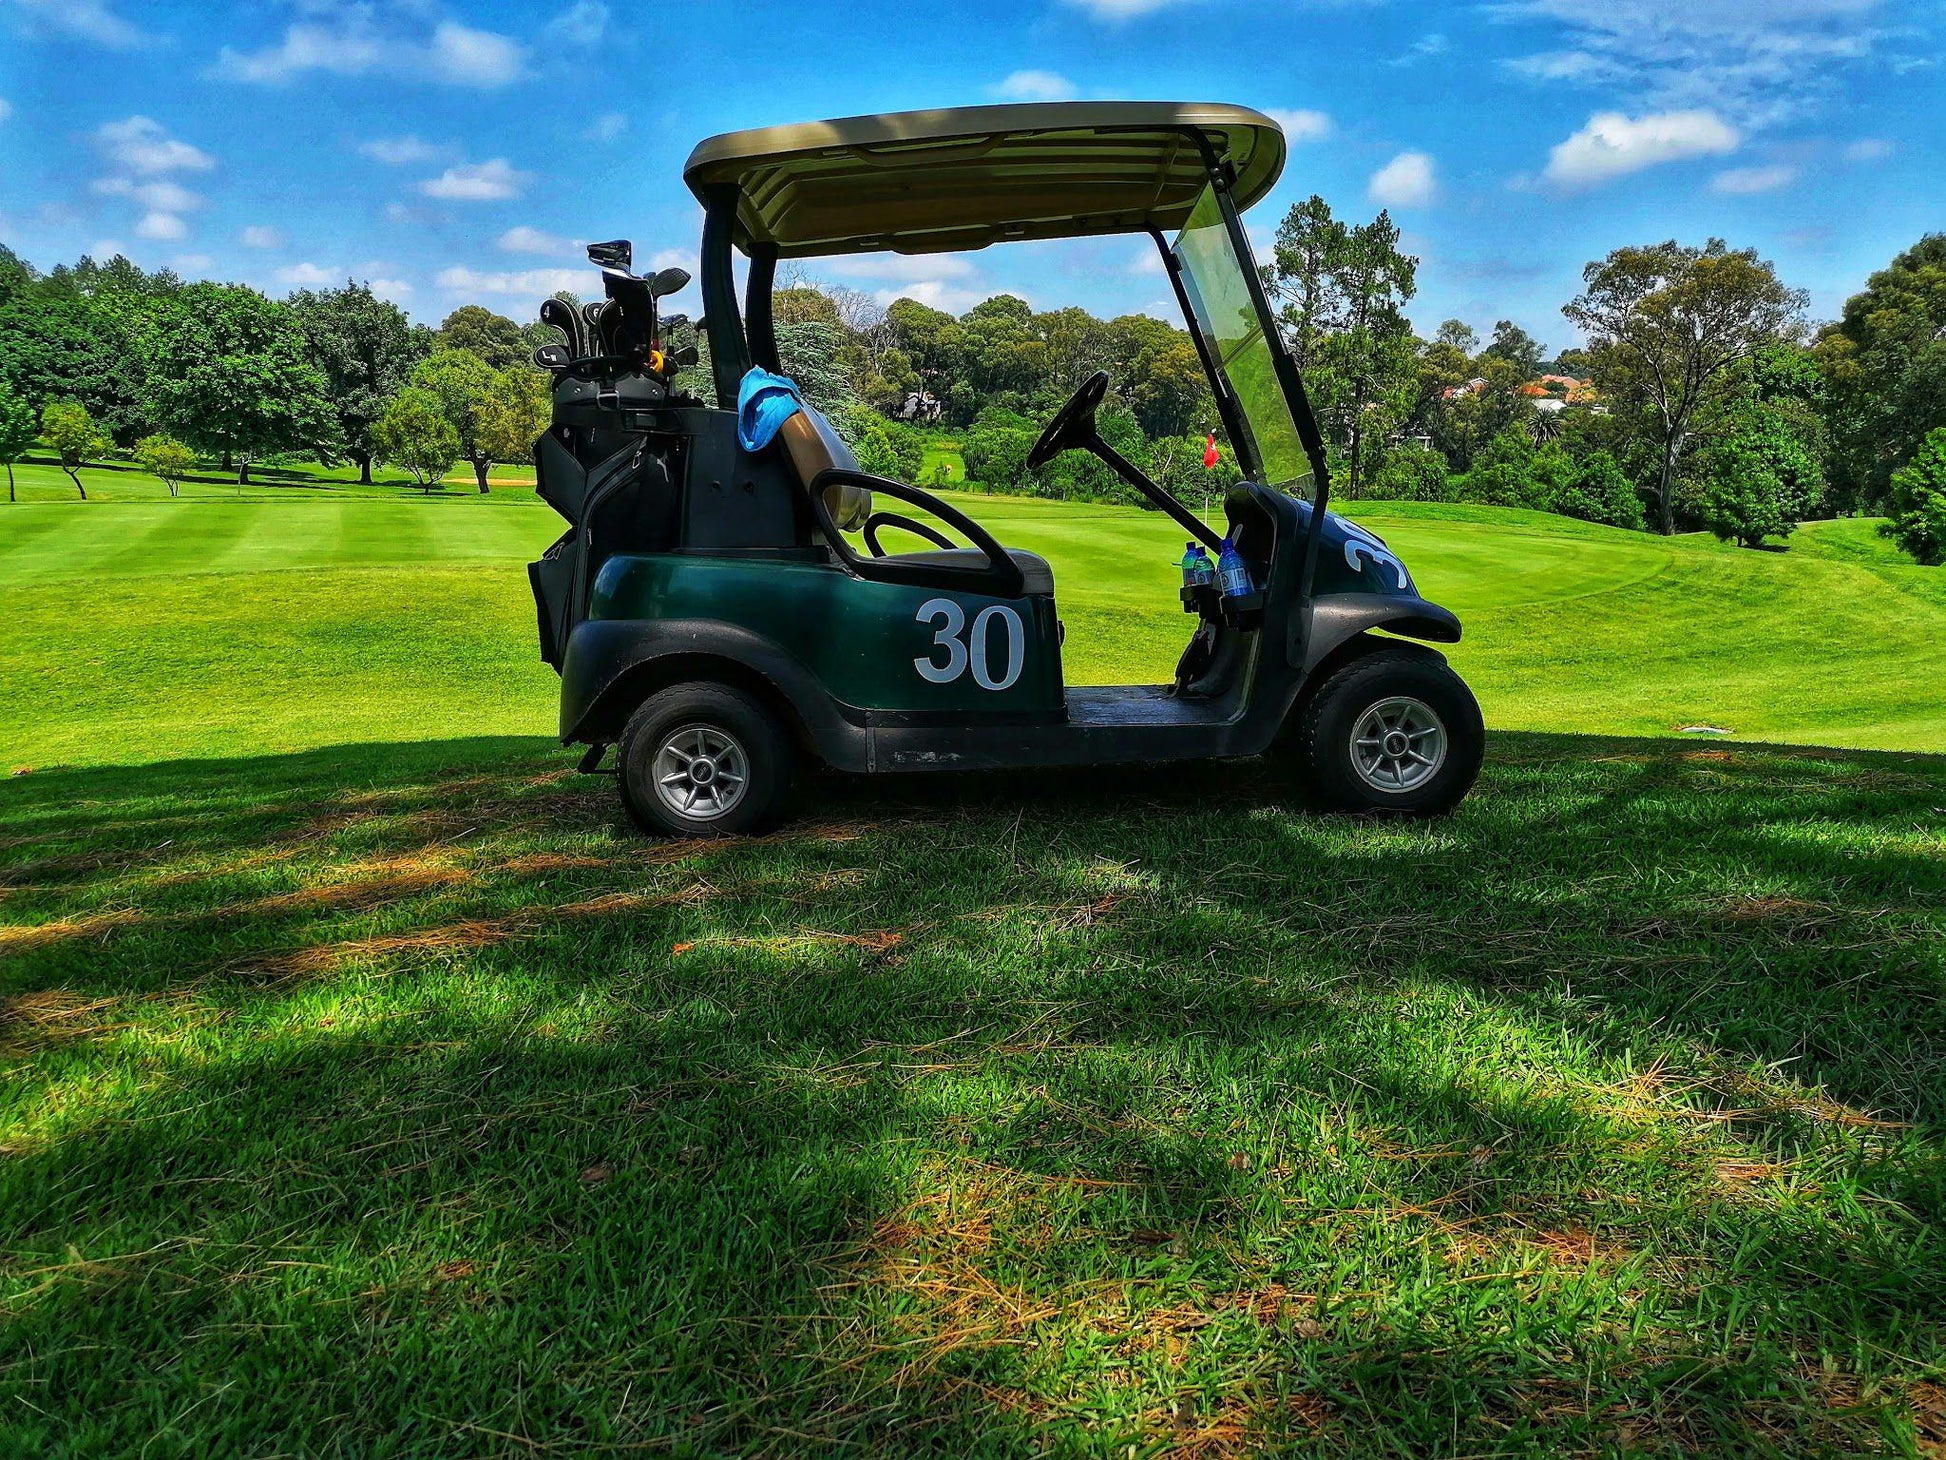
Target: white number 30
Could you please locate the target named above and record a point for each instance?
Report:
(972, 652)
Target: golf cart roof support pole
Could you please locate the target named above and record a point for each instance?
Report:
(1219, 383)
(759, 318)
(1295, 394)
(1161, 496)
(729, 355)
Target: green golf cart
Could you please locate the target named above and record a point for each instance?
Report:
(724, 618)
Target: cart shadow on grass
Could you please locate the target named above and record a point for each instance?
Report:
(1149, 1111)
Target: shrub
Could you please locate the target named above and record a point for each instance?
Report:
(1411, 473)
(996, 455)
(71, 433)
(1600, 492)
(1757, 481)
(1919, 502)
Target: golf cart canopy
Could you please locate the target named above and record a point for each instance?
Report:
(937, 181)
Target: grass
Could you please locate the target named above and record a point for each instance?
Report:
(393, 1100)
(366, 1088)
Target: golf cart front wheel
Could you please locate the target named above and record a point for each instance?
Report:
(1394, 731)
(704, 760)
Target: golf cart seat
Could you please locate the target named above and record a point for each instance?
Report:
(812, 447)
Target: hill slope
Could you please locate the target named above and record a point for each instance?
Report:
(283, 618)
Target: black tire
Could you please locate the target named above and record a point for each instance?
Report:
(1325, 733)
(764, 755)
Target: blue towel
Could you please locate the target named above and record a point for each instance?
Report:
(764, 403)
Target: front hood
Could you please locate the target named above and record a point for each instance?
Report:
(1352, 559)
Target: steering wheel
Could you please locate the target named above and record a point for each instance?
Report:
(904, 524)
(1073, 425)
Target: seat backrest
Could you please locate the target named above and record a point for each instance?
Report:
(811, 446)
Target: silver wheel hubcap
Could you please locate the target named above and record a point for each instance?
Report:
(1398, 745)
(701, 772)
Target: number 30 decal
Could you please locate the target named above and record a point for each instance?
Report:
(972, 652)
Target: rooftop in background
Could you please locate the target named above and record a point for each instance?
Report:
(938, 181)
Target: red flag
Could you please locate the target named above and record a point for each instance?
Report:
(1210, 454)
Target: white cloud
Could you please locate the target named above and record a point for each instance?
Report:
(191, 263)
(159, 225)
(1613, 145)
(581, 24)
(350, 43)
(461, 56)
(104, 248)
(1869, 149)
(608, 126)
(1300, 125)
(86, 20)
(532, 240)
(1035, 86)
(6, 108)
(161, 195)
(397, 151)
(477, 182)
(1146, 261)
(899, 266)
(307, 274)
(1742, 181)
(1761, 62)
(144, 147)
(396, 290)
(1115, 10)
(536, 284)
(1409, 180)
(261, 235)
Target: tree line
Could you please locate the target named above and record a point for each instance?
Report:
(1701, 397)
(101, 358)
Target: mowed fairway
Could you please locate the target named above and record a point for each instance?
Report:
(367, 1088)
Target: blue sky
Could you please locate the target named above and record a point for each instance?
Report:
(454, 152)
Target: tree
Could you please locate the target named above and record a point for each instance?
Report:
(415, 435)
(1366, 368)
(480, 332)
(365, 348)
(1919, 502)
(230, 376)
(18, 428)
(1518, 348)
(1309, 244)
(514, 414)
(1157, 373)
(1884, 364)
(462, 383)
(1458, 334)
(1758, 480)
(166, 459)
(71, 433)
(1668, 326)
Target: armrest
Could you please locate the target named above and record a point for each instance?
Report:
(1000, 578)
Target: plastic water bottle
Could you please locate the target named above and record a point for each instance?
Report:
(1205, 568)
(1232, 571)
(1191, 567)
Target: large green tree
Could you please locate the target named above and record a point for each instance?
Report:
(73, 334)
(1668, 329)
(231, 376)
(366, 349)
(1885, 365)
(413, 434)
(1918, 502)
(492, 337)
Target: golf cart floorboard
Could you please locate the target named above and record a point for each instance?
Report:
(1140, 704)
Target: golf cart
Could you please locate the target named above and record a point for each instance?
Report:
(725, 616)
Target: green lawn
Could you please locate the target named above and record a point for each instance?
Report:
(367, 1089)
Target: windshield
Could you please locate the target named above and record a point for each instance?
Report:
(1225, 314)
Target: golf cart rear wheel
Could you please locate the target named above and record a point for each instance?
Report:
(705, 760)
(1394, 731)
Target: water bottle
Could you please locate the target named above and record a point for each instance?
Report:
(1232, 571)
(1205, 568)
(1191, 568)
